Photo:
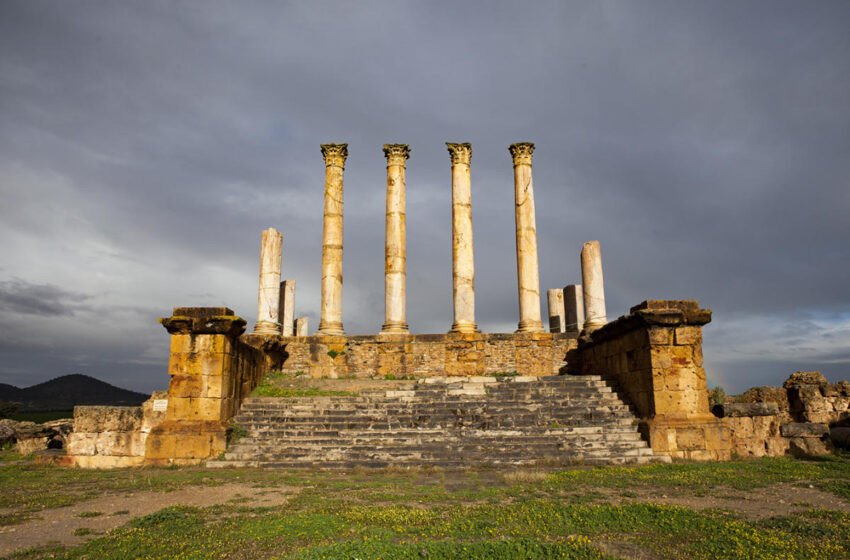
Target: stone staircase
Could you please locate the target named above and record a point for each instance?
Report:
(446, 422)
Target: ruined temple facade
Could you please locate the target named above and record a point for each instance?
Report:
(652, 356)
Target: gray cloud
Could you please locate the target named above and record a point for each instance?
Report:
(144, 146)
(18, 296)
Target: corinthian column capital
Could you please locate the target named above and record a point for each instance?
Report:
(521, 152)
(396, 154)
(460, 153)
(335, 154)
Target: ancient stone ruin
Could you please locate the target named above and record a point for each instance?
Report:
(587, 391)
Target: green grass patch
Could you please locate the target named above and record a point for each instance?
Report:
(90, 514)
(740, 475)
(502, 374)
(530, 529)
(512, 549)
(267, 388)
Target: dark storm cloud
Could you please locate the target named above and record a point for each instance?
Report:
(144, 146)
(18, 296)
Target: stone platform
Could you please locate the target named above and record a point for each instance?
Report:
(420, 355)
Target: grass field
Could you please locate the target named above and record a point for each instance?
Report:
(758, 509)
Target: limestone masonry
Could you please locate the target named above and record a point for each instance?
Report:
(588, 390)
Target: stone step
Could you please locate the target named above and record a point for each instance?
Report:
(603, 440)
(432, 452)
(577, 413)
(467, 453)
(359, 401)
(447, 422)
(447, 463)
(577, 431)
(341, 403)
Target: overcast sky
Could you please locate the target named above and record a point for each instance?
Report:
(145, 145)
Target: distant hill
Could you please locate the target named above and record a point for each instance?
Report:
(7, 391)
(68, 391)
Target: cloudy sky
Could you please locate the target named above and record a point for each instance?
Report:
(145, 145)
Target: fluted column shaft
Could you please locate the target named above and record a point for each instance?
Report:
(331, 316)
(592, 286)
(463, 265)
(268, 311)
(526, 240)
(395, 277)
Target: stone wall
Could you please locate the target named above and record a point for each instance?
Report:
(794, 419)
(400, 356)
(654, 354)
(112, 436)
(211, 371)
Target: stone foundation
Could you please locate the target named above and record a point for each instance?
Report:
(426, 355)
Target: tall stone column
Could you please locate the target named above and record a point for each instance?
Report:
(331, 316)
(526, 240)
(556, 310)
(395, 278)
(573, 308)
(287, 307)
(268, 300)
(463, 265)
(592, 287)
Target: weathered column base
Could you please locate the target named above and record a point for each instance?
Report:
(530, 326)
(267, 327)
(464, 327)
(331, 329)
(591, 326)
(395, 327)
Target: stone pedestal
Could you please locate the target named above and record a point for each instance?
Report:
(211, 371)
(655, 356)
(463, 266)
(395, 278)
(287, 307)
(331, 315)
(573, 308)
(526, 240)
(556, 310)
(268, 305)
(592, 286)
(301, 326)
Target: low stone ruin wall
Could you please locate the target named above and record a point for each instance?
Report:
(431, 355)
(31, 437)
(113, 436)
(802, 418)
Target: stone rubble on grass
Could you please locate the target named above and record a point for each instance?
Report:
(30, 437)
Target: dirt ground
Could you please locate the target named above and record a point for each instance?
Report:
(57, 526)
